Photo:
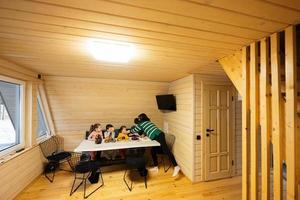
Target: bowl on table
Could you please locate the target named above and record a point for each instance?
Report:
(135, 137)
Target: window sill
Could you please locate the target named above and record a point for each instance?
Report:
(6, 158)
(42, 139)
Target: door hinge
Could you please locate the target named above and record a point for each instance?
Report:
(232, 162)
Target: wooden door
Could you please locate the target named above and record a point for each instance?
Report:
(217, 125)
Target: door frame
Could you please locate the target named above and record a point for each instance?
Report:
(232, 132)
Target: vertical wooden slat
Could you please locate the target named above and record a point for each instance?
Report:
(265, 118)
(291, 108)
(254, 113)
(277, 126)
(245, 124)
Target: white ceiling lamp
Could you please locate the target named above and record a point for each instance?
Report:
(111, 51)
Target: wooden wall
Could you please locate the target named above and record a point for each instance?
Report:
(180, 123)
(198, 127)
(17, 173)
(19, 169)
(238, 137)
(76, 103)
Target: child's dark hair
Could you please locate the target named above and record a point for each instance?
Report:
(94, 127)
(109, 126)
(121, 128)
(136, 120)
(143, 117)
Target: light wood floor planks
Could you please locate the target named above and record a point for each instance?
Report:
(160, 186)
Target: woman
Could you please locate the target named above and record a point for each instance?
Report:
(144, 124)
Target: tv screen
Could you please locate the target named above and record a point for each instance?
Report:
(166, 102)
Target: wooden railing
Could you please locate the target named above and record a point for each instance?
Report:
(270, 116)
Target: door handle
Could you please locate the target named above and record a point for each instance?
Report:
(209, 130)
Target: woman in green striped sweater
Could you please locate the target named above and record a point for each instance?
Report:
(147, 127)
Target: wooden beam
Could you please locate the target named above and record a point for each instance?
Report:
(233, 67)
(245, 123)
(265, 117)
(291, 107)
(277, 124)
(254, 121)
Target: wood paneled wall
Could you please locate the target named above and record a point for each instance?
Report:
(20, 169)
(76, 103)
(180, 123)
(17, 173)
(238, 137)
(198, 128)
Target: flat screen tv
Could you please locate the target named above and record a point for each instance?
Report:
(166, 102)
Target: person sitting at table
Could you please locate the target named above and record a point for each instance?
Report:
(109, 136)
(150, 129)
(95, 131)
(123, 135)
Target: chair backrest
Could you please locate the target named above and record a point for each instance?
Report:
(170, 140)
(51, 145)
(87, 133)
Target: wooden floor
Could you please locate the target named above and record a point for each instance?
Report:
(160, 186)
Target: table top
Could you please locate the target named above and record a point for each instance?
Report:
(88, 145)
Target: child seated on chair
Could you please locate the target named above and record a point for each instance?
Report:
(123, 135)
(95, 131)
(109, 136)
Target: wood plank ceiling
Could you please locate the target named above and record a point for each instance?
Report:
(173, 37)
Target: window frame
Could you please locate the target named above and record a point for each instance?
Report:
(21, 144)
(48, 134)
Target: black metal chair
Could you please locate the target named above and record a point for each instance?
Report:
(170, 140)
(53, 151)
(135, 161)
(83, 170)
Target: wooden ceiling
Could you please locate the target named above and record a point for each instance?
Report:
(173, 37)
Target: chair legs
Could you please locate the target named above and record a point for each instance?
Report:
(130, 187)
(166, 168)
(51, 179)
(50, 168)
(83, 181)
(70, 164)
(124, 179)
(145, 180)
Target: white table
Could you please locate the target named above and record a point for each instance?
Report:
(87, 145)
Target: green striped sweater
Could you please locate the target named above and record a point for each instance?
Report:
(148, 128)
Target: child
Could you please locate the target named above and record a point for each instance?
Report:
(109, 136)
(95, 131)
(122, 136)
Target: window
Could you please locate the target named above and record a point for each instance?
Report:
(42, 126)
(11, 134)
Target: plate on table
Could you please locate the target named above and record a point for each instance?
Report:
(135, 137)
